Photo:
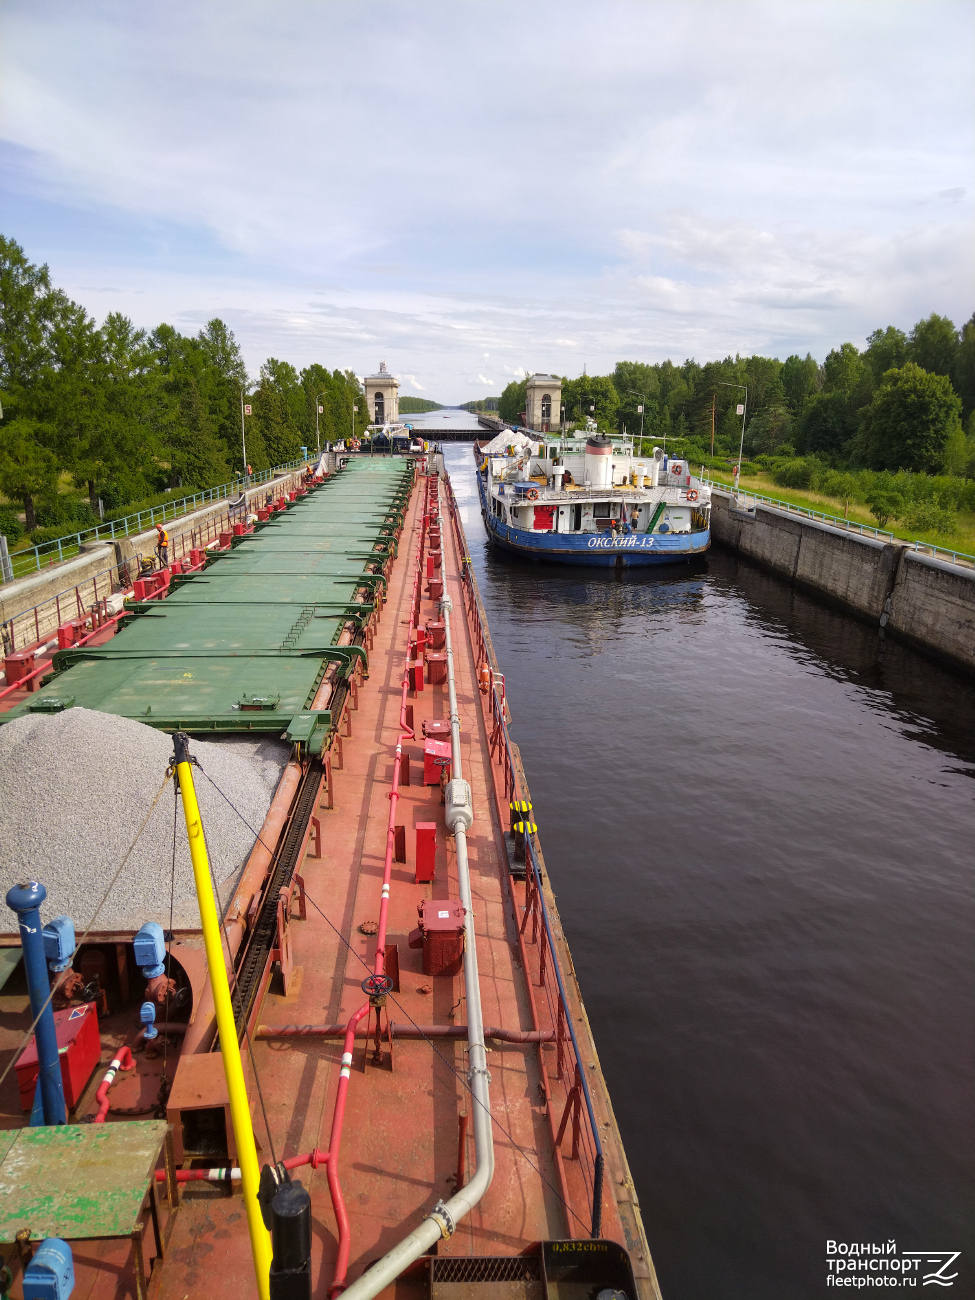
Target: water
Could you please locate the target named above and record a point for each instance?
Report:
(758, 821)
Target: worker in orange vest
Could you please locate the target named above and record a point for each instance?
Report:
(162, 546)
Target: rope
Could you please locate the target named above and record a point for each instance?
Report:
(91, 924)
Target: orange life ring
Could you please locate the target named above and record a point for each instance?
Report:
(677, 469)
(692, 494)
(532, 494)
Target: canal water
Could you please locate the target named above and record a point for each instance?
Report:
(758, 820)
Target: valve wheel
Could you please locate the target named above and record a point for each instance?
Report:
(377, 986)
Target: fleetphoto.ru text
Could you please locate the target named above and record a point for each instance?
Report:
(871, 1264)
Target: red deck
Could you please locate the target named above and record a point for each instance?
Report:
(399, 1150)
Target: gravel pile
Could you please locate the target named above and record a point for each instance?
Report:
(74, 789)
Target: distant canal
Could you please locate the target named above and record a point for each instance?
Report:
(758, 819)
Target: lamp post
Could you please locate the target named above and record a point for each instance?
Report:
(723, 383)
(243, 434)
(318, 411)
(639, 410)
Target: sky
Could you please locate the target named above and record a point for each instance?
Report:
(469, 189)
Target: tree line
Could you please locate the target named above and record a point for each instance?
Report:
(904, 402)
(417, 405)
(98, 418)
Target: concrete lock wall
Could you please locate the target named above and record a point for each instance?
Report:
(924, 601)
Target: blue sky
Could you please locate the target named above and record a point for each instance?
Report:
(470, 188)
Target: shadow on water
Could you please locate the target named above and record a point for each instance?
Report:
(758, 820)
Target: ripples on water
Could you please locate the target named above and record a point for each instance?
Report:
(758, 820)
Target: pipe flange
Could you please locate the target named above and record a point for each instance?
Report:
(442, 1218)
(474, 1071)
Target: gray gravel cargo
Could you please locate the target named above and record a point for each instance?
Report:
(74, 789)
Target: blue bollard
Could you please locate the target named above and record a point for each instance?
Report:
(25, 899)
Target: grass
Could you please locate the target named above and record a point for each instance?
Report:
(962, 538)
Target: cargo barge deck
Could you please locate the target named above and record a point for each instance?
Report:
(355, 852)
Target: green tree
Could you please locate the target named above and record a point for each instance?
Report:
(828, 424)
(28, 470)
(908, 423)
(885, 504)
(226, 376)
(321, 401)
(417, 405)
(964, 375)
(800, 382)
(512, 404)
(637, 385)
(579, 395)
(770, 429)
(886, 350)
(933, 345)
(280, 406)
(846, 373)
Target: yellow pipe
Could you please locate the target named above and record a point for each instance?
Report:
(226, 1026)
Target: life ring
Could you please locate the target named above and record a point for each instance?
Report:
(532, 494)
(692, 494)
(677, 469)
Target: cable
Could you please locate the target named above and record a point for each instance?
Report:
(226, 939)
(521, 1151)
(172, 912)
(91, 924)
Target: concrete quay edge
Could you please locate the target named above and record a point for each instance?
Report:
(918, 599)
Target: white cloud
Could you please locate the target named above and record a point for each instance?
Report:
(487, 383)
(749, 175)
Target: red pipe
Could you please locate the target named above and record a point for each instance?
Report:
(338, 1115)
(101, 1096)
(407, 1031)
(226, 1174)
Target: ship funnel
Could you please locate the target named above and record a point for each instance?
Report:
(599, 461)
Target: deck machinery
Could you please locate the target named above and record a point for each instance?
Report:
(272, 635)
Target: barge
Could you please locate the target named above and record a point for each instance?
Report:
(414, 1045)
(590, 501)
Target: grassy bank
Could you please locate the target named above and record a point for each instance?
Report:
(962, 538)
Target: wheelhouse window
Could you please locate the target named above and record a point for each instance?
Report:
(380, 409)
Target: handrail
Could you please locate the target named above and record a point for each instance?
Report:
(560, 1012)
(850, 525)
(69, 544)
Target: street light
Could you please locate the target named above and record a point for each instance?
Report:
(243, 436)
(633, 393)
(723, 383)
(318, 411)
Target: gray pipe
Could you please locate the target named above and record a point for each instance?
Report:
(443, 1218)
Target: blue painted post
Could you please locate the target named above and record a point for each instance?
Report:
(25, 899)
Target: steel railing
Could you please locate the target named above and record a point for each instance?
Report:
(34, 558)
(835, 521)
(571, 1115)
